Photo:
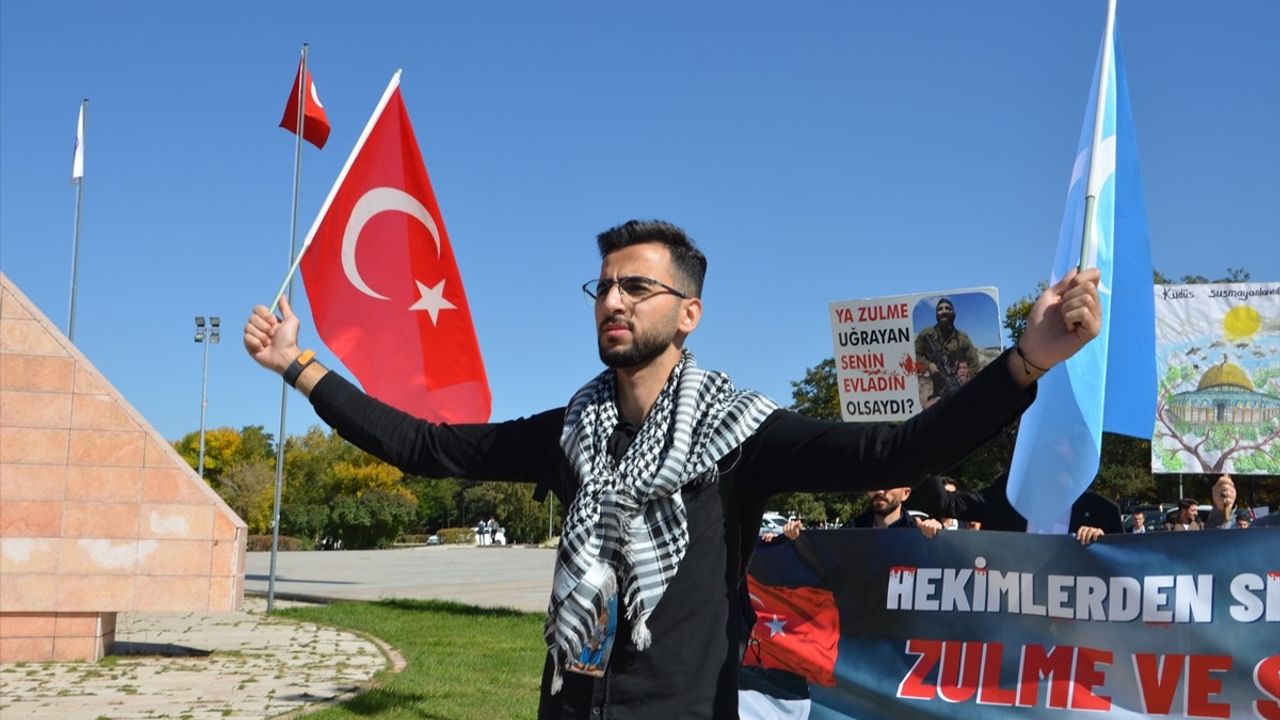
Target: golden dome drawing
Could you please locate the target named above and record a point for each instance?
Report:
(1225, 373)
(1224, 396)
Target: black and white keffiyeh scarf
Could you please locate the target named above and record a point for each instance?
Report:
(627, 528)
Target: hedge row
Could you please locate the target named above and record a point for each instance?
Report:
(262, 543)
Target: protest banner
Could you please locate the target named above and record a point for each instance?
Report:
(897, 355)
(1218, 362)
(998, 625)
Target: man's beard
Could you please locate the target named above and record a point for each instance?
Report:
(889, 507)
(642, 349)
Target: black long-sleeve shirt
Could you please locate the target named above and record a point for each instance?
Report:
(690, 669)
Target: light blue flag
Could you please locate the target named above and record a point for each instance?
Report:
(1107, 385)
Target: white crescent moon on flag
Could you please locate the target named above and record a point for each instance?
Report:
(315, 96)
(378, 200)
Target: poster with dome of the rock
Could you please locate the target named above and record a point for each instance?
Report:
(1218, 363)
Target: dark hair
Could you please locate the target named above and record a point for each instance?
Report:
(689, 261)
(1187, 503)
(944, 300)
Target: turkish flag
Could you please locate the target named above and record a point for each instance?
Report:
(797, 629)
(385, 291)
(315, 123)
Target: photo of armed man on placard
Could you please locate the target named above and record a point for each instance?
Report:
(956, 335)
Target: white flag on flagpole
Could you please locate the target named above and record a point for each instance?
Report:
(77, 162)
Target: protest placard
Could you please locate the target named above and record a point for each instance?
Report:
(897, 355)
(1218, 364)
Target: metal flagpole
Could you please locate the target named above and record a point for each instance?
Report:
(284, 387)
(333, 191)
(1087, 239)
(77, 173)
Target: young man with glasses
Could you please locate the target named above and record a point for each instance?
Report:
(666, 470)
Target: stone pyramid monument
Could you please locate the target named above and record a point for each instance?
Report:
(98, 514)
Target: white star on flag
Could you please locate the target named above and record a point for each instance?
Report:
(775, 626)
(432, 300)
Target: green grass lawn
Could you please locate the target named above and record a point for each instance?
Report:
(463, 661)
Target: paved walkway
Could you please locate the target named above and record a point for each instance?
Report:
(237, 666)
(224, 666)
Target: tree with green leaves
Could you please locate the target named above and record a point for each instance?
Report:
(225, 447)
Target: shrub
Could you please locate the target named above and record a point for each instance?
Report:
(304, 520)
(457, 536)
(412, 540)
(262, 543)
(371, 520)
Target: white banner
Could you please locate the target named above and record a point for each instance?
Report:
(897, 355)
(1218, 361)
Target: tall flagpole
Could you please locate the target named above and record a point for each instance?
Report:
(303, 86)
(333, 191)
(1087, 239)
(77, 175)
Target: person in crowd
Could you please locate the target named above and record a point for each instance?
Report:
(1243, 521)
(1092, 515)
(1223, 514)
(666, 468)
(950, 523)
(1185, 518)
(1139, 523)
(887, 512)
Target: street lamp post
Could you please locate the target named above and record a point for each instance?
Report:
(205, 337)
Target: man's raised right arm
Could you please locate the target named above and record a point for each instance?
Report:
(272, 342)
(523, 450)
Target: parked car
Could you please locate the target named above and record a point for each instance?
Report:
(433, 539)
(772, 522)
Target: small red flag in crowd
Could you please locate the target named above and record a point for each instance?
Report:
(386, 295)
(797, 629)
(315, 124)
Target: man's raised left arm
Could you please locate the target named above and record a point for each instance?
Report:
(793, 453)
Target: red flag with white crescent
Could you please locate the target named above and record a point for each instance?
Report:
(386, 295)
(315, 122)
(797, 629)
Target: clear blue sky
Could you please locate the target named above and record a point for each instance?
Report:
(817, 151)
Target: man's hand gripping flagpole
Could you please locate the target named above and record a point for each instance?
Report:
(272, 341)
(1064, 318)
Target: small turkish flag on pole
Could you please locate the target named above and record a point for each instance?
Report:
(385, 291)
(315, 124)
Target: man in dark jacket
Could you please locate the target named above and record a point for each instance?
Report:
(666, 469)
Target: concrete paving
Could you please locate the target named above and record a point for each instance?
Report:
(495, 576)
(248, 665)
(221, 666)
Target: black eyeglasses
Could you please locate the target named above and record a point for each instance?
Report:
(632, 287)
